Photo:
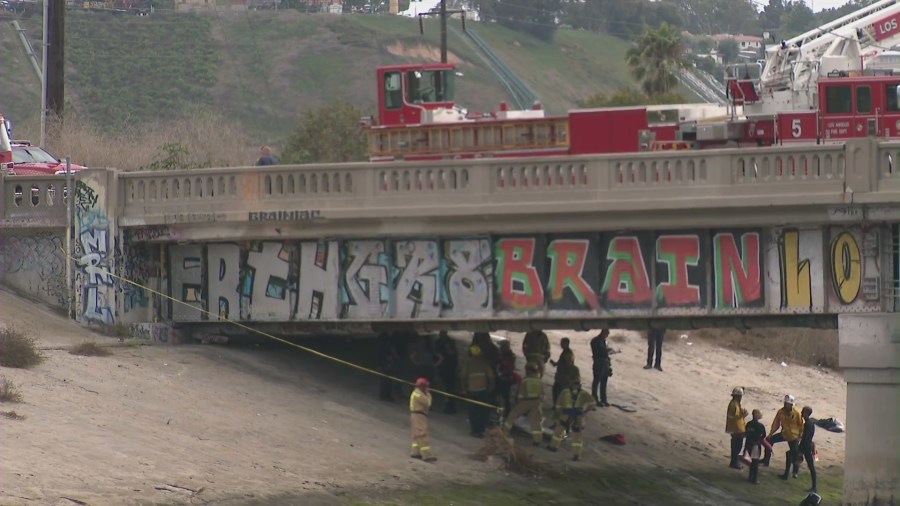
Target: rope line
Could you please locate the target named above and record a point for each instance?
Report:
(285, 341)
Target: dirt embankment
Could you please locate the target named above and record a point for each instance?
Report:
(197, 424)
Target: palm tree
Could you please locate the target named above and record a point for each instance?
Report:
(655, 58)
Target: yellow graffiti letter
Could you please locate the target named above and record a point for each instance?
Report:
(796, 290)
(846, 271)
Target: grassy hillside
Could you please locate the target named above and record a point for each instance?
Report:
(263, 69)
(20, 88)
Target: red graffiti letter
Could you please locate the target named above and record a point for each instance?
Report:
(677, 252)
(738, 281)
(518, 282)
(567, 259)
(626, 279)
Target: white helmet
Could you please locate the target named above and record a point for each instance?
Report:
(737, 391)
(789, 399)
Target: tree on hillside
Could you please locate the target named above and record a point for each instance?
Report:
(623, 18)
(798, 18)
(719, 16)
(729, 50)
(654, 59)
(328, 134)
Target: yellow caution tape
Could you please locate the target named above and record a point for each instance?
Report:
(295, 345)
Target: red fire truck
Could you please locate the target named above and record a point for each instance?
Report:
(813, 88)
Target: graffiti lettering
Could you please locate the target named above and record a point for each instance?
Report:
(737, 271)
(678, 252)
(567, 262)
(223, 278)
(318, 291)
(846, 271)
(192, 217)
(626, 281)
(416, 282)
(187, 282)
(518, 283)
(455, 278)
(468, 266)
(85, 197)
(267, 277)
(796, 279)
(312, 214)
(365, 291)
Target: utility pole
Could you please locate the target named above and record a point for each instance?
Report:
(443, 13)
(55, 28)
(443, 31)
(44, 20)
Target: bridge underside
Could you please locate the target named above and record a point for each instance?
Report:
(362, 328)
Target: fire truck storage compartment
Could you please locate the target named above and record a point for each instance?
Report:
(606, 130)
(732, 130)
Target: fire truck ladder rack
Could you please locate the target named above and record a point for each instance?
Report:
(519, 93)
(470, 138)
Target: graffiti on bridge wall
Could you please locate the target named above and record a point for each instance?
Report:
(629, 272)
(677, 272)
(35, 264)
(328, 280)
(94, 253)
(831, 266)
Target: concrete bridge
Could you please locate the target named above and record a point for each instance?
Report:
(792, 235)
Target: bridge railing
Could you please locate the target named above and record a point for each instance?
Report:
(29, 201)
(656, 180)
(888, 166)
(643, 181)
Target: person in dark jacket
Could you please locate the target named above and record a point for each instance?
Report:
(389, 360)
(602, 366)
(654, 343)
(807, 447)
(448, 368)
(506, 366)
(265, 156)
(755, 432)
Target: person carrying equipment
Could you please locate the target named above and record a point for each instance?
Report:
(571, 408)
(529, 397)
(419, 404)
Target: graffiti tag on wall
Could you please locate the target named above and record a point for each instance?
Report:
(94, 257)
(664, 272)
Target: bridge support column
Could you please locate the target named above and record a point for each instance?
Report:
(95, 235)
(870, 358)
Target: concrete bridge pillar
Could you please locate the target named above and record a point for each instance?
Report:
(94, 221)
(870, 358)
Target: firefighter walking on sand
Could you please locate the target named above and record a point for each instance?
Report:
(419, 404)
(529, 397)
(571, 408)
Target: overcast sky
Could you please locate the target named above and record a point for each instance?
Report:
(818, 5)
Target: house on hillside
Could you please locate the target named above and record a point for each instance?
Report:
(746, 43)
(326, 6)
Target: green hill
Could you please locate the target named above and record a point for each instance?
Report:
(264, 68)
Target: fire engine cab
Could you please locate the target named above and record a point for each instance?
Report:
(814, 88)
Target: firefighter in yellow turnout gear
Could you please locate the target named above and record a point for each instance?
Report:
(528, 402)
(571, 407)
(419, 404)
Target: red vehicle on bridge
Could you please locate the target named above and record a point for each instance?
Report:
(20, 158)
(814, 88)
